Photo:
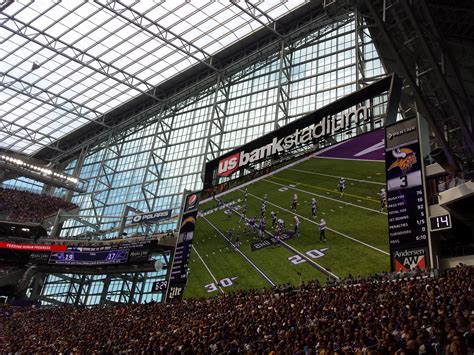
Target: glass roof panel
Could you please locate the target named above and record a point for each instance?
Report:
(63, 64)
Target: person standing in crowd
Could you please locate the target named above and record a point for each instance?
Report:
(297, 223)
(294, 202)
(313, 207)
(342, 185)
(322, 228)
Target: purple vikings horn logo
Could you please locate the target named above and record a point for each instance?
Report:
(406, 158)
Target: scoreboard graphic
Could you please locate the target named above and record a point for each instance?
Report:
(407, 222)
(116, 256)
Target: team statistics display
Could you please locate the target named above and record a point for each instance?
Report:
(116, 256)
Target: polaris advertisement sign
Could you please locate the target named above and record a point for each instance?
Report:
(307, 133)
(152, 216)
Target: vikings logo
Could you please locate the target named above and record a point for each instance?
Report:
(406, 158)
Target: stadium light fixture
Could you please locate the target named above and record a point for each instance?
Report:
(39, 171)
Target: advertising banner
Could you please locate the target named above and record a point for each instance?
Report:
(152, 216)
(410, 259)
(32, 247)
(407, 223)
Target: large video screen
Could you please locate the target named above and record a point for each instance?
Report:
(269, 231)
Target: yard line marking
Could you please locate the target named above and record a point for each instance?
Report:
(265, 276)
(337, 177)
(208, 270)
(294, 250)
(309, 260)
(321, 188)
(330, 229)
(330, 198)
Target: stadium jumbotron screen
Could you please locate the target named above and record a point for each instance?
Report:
(286, 208)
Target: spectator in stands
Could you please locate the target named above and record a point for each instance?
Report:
(376, 315)
(24, 206)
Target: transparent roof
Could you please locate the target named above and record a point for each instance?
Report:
(66, 64)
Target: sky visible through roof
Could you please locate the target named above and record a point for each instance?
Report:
(66, 64)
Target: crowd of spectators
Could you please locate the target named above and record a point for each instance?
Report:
(432, 315)
(24, 206)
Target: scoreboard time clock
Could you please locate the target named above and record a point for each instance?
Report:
(440, 222)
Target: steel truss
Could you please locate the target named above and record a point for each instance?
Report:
(75, 54)
(408, 31)
(155, 29)
(306, 31)
(105, 179)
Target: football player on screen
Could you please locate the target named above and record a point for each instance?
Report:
(243, 215)
(383, 199)
(294, 202)
(274, 219)
(297, 223)
(322, 228)
(314, 207)
(342, 185)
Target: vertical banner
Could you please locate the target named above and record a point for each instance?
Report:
(179, 268)
(407, 222)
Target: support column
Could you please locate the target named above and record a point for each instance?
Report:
(283, 89)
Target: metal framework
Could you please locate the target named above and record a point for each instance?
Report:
(65, 66)
(407, 36)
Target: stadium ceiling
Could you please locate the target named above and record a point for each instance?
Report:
(68, 65)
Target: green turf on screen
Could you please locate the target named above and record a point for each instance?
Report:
(357, 234)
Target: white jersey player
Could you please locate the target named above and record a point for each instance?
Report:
(383, 199)
(294, 202)
(314, 207)
(297, 223)
(274, 219)
(322, 228)
(342, 185)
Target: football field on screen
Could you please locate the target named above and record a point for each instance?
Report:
(356, 230)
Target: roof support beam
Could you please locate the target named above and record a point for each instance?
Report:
(74, 54)
(251, 10)
(15, 130)
(51, 99)
(155, 29)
